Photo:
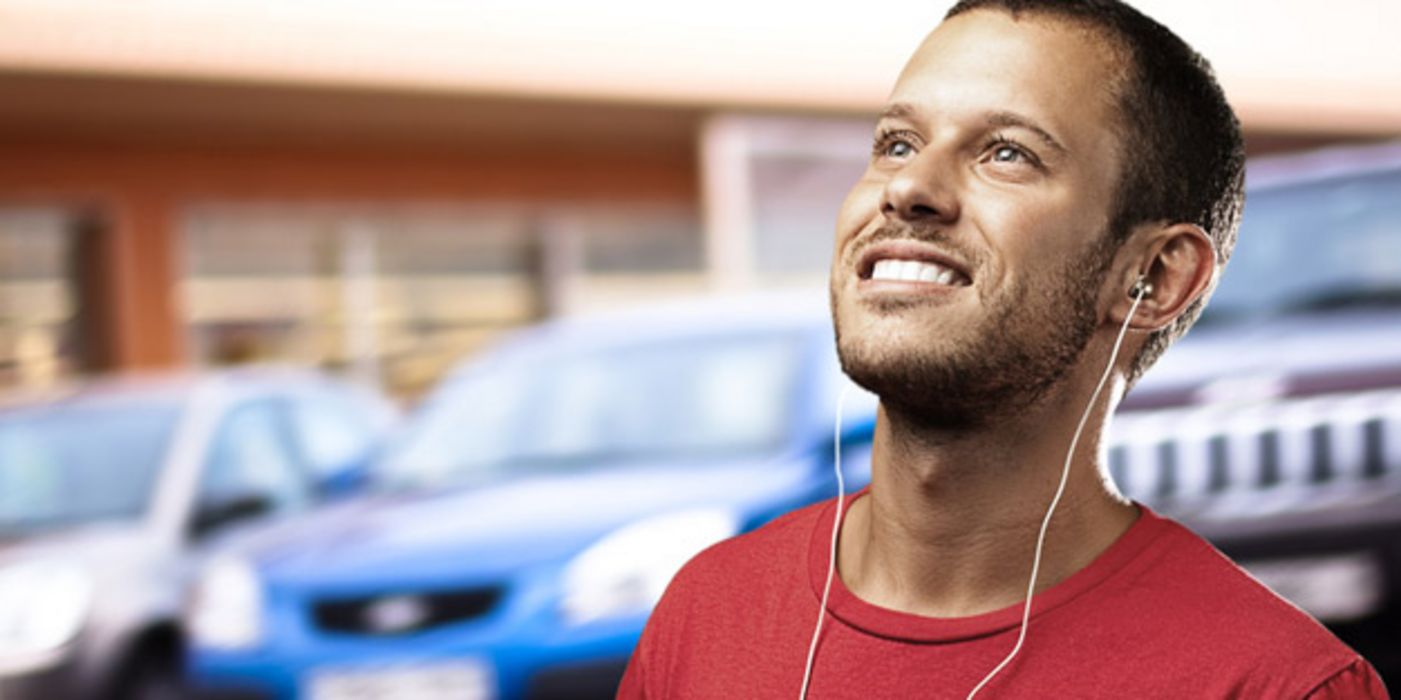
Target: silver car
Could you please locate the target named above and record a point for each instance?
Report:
(110, 493)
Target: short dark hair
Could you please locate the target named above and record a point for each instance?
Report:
(1184, 154)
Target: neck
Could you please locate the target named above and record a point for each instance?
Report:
(949, 525)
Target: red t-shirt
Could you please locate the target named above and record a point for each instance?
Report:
(1160, 614)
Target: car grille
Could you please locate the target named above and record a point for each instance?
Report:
(1202, 452)
(398, 613)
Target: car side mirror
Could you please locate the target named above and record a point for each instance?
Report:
(857, 435)
(859, 431)
(217, 513)
(348, 479)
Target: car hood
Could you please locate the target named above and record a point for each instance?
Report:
(96, 547)
(492, 531)
(1294, 355)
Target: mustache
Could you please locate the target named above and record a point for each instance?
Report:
(903, 231)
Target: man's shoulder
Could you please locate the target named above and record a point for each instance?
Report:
(765, 566)
(1199, 591)
(1196, 572)
(729, 604)
(720, 588)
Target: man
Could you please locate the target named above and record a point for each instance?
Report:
(1036, 159)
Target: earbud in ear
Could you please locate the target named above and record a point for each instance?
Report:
(1141, 288)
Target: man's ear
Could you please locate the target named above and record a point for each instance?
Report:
(1178, 261)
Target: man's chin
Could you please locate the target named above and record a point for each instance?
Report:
(907, 374)
(950, 381)
(894, 331)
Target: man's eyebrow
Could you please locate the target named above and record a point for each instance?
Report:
(1000, 119)
(898, 110)
(1012, 119)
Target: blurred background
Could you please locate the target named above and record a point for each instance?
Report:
(383, 190)
(375, 192)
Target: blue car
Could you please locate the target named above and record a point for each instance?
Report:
(535, 509)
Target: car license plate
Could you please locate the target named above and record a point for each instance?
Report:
(1331, 588)
(457, 680)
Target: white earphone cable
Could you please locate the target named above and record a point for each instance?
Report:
(836, 529)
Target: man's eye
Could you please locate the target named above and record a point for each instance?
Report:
(1007, 154)
(893, 144)
(1005, 150)
(899, 149)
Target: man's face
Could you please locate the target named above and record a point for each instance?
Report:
(969, 256)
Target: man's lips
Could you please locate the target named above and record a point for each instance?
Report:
(910, 261)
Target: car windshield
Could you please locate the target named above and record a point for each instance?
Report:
(72, 463)
(1315, 246)
(656, 402)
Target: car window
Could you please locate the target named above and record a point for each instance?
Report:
(1315, 246)
(82, 462)
(662, 401)
(251, 456)
(479, 415)
(334, 429)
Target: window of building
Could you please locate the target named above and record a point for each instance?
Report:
(398, 294)
(38, 307)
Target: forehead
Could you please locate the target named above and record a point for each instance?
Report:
(1060, 74)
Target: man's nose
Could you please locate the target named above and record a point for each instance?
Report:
(922, 190)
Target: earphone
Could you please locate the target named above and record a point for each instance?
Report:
(1140, 290)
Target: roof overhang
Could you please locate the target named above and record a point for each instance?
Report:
(1298, 67)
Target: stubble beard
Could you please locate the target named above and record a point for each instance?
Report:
(1017, 354)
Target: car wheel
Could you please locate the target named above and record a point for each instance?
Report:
(153, 679)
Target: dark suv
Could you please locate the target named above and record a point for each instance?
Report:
(1274, 429)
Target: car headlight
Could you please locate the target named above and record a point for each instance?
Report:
(627, 571)
(43, 605)
(226, 612)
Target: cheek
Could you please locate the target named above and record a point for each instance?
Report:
(858, 212)
(1029, 233)
(860, 207)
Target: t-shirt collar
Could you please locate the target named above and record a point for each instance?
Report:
(857, 613)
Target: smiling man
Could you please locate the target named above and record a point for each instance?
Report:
(1053, 189)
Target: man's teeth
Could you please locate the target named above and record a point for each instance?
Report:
(913, 271)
